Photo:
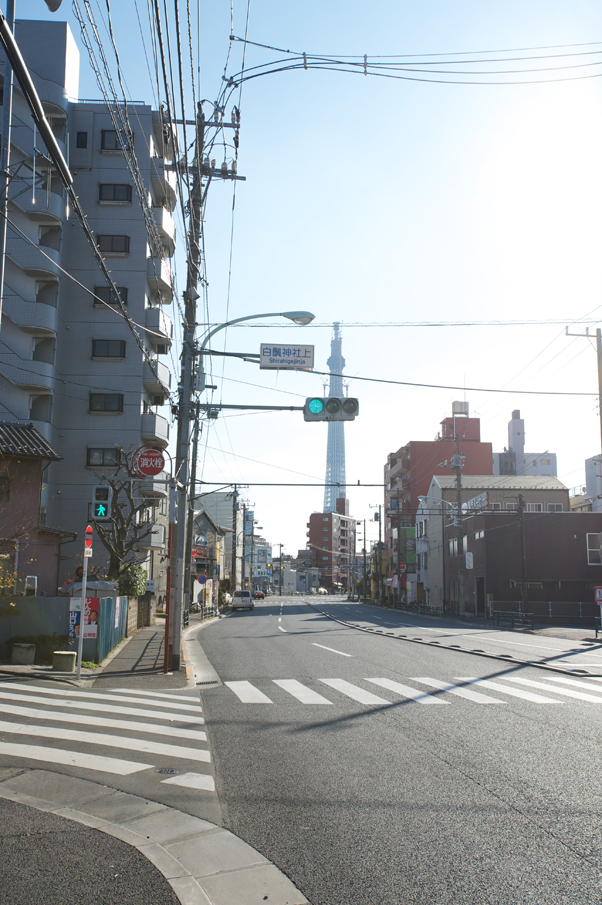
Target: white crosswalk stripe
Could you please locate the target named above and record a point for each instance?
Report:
(567, 692)
(65, 715)
(354, 692)
(247, 693)
(406, 692)
(459, 692)
(301, 692)
(513, 692)
(577, 683)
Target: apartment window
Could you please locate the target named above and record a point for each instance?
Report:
(534, 507)
(325, 559)
(110, 140)
(555, 507)
(107, 296)
(545, 461)
(116, 245)
(106, 402)
(4, 490)
(81, 140)
(593, 550)
(102, 457)
(324, 519)
(324, 538)
(496, 505)
(108, 348)
(116, 192)
(511, 507)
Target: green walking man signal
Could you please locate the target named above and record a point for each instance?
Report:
(101, 502)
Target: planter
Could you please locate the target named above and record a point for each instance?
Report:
(64, 660)
(23, 654)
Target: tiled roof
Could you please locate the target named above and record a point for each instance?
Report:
(24, 440)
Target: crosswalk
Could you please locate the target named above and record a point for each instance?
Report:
(551, 689)
(137, 730)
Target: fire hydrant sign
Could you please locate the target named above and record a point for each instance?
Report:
(286, 357)
(149, 462)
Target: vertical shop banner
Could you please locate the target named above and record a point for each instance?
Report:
(117, 602)
(74, 617)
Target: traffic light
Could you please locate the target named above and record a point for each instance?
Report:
(101, 502)
(330, 408)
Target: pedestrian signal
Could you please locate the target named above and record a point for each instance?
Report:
(101, 502)
(330, 408)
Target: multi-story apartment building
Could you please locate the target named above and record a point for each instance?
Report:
(332, 541)
(408, 474)
(226, 509)
(69, 361)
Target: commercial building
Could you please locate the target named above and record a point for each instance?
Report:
(332, 542)
(90, 376)
(437, 539)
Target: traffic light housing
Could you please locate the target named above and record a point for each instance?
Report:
(330, 408)
(101, 502)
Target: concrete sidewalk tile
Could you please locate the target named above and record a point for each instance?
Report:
(120, 807)
(188, 891)
(210, 853)
(169, 866)
(123, 833)
(254, 886)
(28, 800)
(58, 788)
(87, 819)
(172, 826)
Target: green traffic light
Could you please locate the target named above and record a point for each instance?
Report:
(100, 510)
(315, 406)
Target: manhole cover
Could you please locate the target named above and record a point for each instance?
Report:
(167, 770)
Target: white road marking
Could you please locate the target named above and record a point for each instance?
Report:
(279, 618)
(111, 741)
(513, 692)
(301, 692)
(193, 781)
(64, 693)
(247, 693)
(460, 692)
(129, 725)
(407, 692)
(73, 759)
(567, 692)
(354, 692)
(331, 649)
(577, 682)
(90, 705)
(282, 630)
(157, 694)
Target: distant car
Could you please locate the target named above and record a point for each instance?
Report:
(242, 601)
(322, 591)
(227, 597)
(259, 595)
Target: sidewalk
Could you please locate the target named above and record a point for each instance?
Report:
(51, 823)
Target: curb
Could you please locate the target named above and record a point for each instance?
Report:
(203, 863)
(505, 658)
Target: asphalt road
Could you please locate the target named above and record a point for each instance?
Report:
(390, 788)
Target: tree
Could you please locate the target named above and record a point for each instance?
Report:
(131, 519)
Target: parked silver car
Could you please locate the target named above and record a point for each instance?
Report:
(242, 600)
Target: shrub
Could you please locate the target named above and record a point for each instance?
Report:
(131, 581)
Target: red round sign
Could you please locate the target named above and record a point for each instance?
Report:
(149, 462)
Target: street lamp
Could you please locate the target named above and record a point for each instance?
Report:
(447, 503)
(302, 318)
(189, 351)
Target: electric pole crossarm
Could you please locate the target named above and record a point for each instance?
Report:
(258, 408)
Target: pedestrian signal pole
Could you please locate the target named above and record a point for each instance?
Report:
(82, 611)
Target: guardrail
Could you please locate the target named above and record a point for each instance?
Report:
(512, 619)
(425, 610)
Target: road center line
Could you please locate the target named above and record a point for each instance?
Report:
(331, 649)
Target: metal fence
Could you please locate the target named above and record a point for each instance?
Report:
(112, 625)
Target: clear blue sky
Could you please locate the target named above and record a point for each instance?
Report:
(372, 201)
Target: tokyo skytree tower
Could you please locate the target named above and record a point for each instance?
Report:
(335, 450)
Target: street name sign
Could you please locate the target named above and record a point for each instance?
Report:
(286, 357)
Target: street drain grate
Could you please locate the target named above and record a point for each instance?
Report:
(167, 771)
(213, 682)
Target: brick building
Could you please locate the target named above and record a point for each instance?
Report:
(332, 542)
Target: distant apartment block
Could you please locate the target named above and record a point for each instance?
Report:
(515, 461)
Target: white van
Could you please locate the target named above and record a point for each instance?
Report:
(242, 600)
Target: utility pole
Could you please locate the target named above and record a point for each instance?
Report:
(190, 520)
(365, 570)
(243, 561)
(280, 570)
(456, 464)
(523, 552)
(190, 297)
(7, 115)
(380, 556)
(398, 548)
(234, 538)
(586, 335)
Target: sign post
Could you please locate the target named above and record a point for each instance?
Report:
(82, 612)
